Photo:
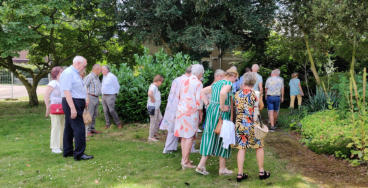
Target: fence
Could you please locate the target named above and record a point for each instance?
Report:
(12, 87)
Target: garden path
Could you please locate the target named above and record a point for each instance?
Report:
(322, 169)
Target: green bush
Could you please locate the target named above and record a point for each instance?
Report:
(320, 101)
(326, 132)
(134, 82)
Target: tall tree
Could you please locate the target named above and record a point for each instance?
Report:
(326, 26)
(53, 32)
(197, 26)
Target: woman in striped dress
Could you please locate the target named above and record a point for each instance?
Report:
(211, 143)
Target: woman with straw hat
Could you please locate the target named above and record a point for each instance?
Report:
(220, 105)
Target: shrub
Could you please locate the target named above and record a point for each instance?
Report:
(320, 101)
(326, 132)
(132, 100)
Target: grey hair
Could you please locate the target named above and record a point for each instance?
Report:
(249, 79)
(255, 67)
(79, 59)
(106, 67)
(197, 69)
(189, 69)
(276, 72)
(219, 72)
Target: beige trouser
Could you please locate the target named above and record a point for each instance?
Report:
(155, 123)
(292, 100)
(57, 131)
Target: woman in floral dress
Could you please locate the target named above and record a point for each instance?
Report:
(189, 112)
(245, 102)
(220, 104)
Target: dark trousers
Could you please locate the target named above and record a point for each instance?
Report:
(74, 128)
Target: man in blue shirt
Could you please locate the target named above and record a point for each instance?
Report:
(110, 88)
(74, 96)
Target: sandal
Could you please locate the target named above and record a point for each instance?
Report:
(202, 171)
(243, 177)
(184, 166)
(264, 175)
(225, 171)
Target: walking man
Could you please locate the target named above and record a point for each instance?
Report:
(274, 95)
(110, 88)
(93, 84)
(74, 96)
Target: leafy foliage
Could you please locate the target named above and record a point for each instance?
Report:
(326, 132)
(322, 101)
(132, 100)
(196, 27)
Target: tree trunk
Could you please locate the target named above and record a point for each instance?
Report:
(313, 66)
(352, 65)
(32, 94)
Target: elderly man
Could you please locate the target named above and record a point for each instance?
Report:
(110, 88)
(93, 84)
(258, 85)
(74, 96)
(274, 91)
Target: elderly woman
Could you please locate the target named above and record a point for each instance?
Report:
(54, 110)
(245, 102)
(295, 90)
(220, 105)
(189, 112)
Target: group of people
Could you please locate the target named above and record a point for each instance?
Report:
(229, 97)
(68, 95)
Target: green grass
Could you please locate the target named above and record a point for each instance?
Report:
(122, 159)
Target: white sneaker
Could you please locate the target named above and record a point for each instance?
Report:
(199, 131)
(57, 151)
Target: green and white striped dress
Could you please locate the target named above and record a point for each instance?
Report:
(211, 143)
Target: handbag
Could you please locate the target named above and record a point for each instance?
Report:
(260, 130)
(56, 109)
(151, 110)
(219, 125)
(87, 117)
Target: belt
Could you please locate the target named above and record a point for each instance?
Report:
(92, 95)
(108, 94)
(273, 95)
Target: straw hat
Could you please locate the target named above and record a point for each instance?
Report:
(232, 71)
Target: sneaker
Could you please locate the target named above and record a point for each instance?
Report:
(272, 129)
(56, 151)
(199, 131)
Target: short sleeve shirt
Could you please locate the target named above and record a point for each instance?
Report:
(294, 87)
(157, 96)
(274, 84)
(70, 80)
(55, 96)
(259, 81)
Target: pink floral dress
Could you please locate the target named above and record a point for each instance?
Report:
(187, 114)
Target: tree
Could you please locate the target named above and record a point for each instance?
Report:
(196, 27)
(53, 32)
(332, 26)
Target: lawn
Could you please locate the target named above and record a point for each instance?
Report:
(123, 158)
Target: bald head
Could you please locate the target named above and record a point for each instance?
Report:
(96, 69)
(80, 63)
